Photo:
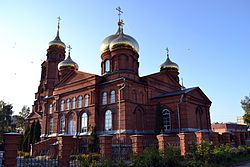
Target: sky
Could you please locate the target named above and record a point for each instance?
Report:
(209, 40)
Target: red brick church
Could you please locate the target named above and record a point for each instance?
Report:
(119, 101)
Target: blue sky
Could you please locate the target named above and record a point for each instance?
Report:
(209, 40)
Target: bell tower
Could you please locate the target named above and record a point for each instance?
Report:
(49, 70)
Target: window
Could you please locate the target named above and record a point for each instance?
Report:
(166, 119)
(62, 124)
(62, 105)
(112, 96)
(71, 125)
(54, 107)
(84, 122)
(50, 108)
(79, 102)
(108, 120)
(86, 100)
(104, 98)
(51, 126)
(107, 66)
(67, 104)
(73, 103)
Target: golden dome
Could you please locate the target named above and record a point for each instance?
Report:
(67, 64)
(169, 65)
(123, 41)
(57, 41)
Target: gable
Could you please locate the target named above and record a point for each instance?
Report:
(74, 76)
(198, 94)
(33, 115)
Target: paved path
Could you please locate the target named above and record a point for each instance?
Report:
(243, 164)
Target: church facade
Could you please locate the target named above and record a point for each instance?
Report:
(117, 102)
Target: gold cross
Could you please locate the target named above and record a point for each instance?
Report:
(120, 11)
(58, 23)
(69, 47)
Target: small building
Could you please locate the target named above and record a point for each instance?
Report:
(228, 127)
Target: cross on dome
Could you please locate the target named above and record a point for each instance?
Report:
(58, 23)
(69, 49)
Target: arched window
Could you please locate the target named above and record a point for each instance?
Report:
(107, 66)
(108, 120)
(86, 100)
(50, 108)
(67, 104)
(62, 105)
(84, 122)
(51, 126)
(112, 96)
(79, 102)
(166, 119)
(62, 124)
(71, 125)
(54, 107)
(73, 103)
(104, 98)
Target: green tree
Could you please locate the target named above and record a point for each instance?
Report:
(25, 112)
(25, 141)
(245, 104)
(37, 132)
(159, 125)
(5, 119)
(93, 145)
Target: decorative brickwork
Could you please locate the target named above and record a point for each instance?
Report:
(106, 146)
(137, 144)
(202, 136)
(11, 141)
(184, 142)
(164, 141)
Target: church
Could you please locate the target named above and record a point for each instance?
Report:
(118, 102)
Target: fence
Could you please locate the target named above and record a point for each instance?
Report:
(1, 158)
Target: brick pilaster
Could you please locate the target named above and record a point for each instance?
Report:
(184, 139)
(202, 136)
(226, 137)
(214, 138)
(162, 142)
(106, 146)
(137, 144)
(237, 138)
(10, 147)
(64, 150)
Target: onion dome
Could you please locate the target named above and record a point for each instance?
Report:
(123, 41)
(119, 39)
(67, 64)
(169, 65)
(57, 41)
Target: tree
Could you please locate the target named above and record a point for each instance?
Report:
(93, 145)
(21, 118)
(245, 104)
(37, 132)
(5, 118)
(159, 125)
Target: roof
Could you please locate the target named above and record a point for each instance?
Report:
(175, 93)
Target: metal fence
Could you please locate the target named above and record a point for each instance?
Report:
(38, 161)
(1, 158)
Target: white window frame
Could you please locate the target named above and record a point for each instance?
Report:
(62, 124)
(104, 98)
(62, 105)
(107, 66)
(108, 120)
(67, 105)
(73, 103)
(51, 126)
(166, 119)
(50, 109)
(112, 96)
(84, 124)
(86, 100)
(79, 102)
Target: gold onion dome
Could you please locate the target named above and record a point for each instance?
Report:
(123, 41)
(169, 65)
(67, 64)
(57, 41)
